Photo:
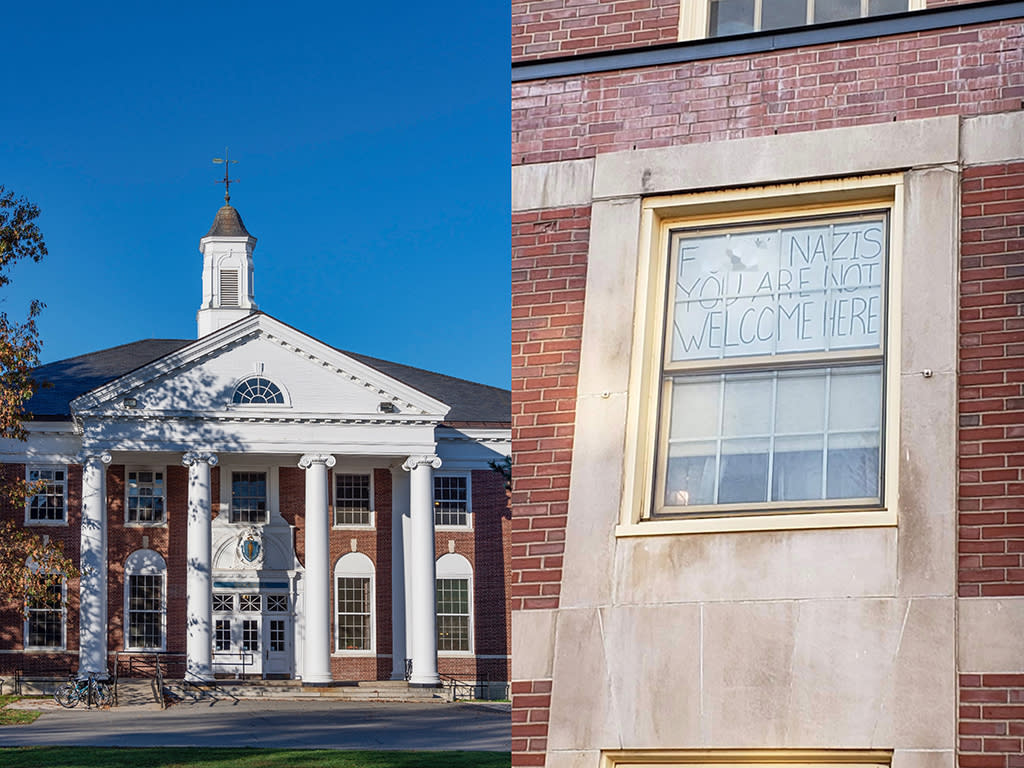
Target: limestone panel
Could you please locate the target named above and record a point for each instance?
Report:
(910, 758)
(582, 698)
(552, 185)
(993, 138)
(757, 566)
(533, 640)
(594, 492)
(608, 312)
(767, 159)
(927, 492)
(829, 674)
(656, 675)
(991, 634)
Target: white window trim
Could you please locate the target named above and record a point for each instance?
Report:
(28, 501)
(225, 492)
(661, 214)
(469, 499)
(135, 523)
(130, 570)
(334, 500)
(361, 567)
(695, 16)
(455, 566)
(63, 624)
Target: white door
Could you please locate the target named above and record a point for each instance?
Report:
(277, 637)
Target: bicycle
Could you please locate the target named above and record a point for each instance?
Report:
(90, 690)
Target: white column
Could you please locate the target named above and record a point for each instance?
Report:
(399, 511)
(423, 593)
(316, 661)
(199, 569)
(92, 633)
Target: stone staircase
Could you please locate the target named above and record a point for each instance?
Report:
(143, 691)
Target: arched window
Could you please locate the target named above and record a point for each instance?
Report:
(257, 390)
(454, 604)
(354, 601)
(145, 600)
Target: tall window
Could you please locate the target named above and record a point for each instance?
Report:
(145, 497)
(145, 600)
(354, 596)
(451, 500)
(352, 499)
(44, 621)
(248, 497)
(454, 603)
(49, 503)
(734, 17)
(773, 366)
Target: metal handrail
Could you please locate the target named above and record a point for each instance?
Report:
(454, 685)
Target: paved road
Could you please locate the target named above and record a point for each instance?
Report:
(295, 724)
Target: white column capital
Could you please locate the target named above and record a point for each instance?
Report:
(310, 459)
(429, 460)
(195, 457)
(93, 456)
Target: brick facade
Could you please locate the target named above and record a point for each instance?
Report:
(964, 71)
(486, 545)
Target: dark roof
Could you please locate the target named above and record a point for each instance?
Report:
(228, 223)
(470, 402)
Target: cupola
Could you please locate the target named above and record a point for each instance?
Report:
(227, 271)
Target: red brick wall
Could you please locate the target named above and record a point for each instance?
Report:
(544, 28)
(991, 455)
(957, 71)
(11, 617)
(549, 264)
(992, 382)
(991, 721)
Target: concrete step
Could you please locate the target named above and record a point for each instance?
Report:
(383, 690)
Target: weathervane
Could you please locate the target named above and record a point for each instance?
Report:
(227, 182)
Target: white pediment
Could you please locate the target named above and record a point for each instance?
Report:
(316, 381)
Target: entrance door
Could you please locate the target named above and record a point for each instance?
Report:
(277, 637)
(238, 634)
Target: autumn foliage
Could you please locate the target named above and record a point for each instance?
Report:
(29, 563)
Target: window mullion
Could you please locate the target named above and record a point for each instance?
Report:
(718, 442)
(771, 435)
(824, 437)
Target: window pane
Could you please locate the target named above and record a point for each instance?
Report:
(695, 406)
(353, 604)
(835, 10)
(853, 466)
(691, 474)
(855, 400)
(776, 14)
(800, 403)
(248, 497)
(744, 472)
(351, 499)
(878, 7)
(451, 500)
(797, 467)
(731, 17)
(748, 405)
(453, 615)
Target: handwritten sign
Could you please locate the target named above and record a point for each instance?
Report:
(790, 288)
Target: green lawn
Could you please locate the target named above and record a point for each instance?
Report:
(15, 716)
(189, 757)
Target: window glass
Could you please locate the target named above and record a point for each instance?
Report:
(248, 497)
(145, 497)
(735, 17)
(453, 615)
(257, 391)
(351, 499)
(45, 619)
(353, 603)
(222, 635)
(774, 361)
(223, 602)
(145, 611)
(451, 500)
(48, 503)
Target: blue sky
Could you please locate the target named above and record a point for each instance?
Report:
(372, 142)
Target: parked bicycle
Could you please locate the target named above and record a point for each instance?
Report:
(90, 690)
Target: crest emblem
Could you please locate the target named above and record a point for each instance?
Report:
(250, 549)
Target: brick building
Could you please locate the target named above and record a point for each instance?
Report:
(255, 502)
(768, 417)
